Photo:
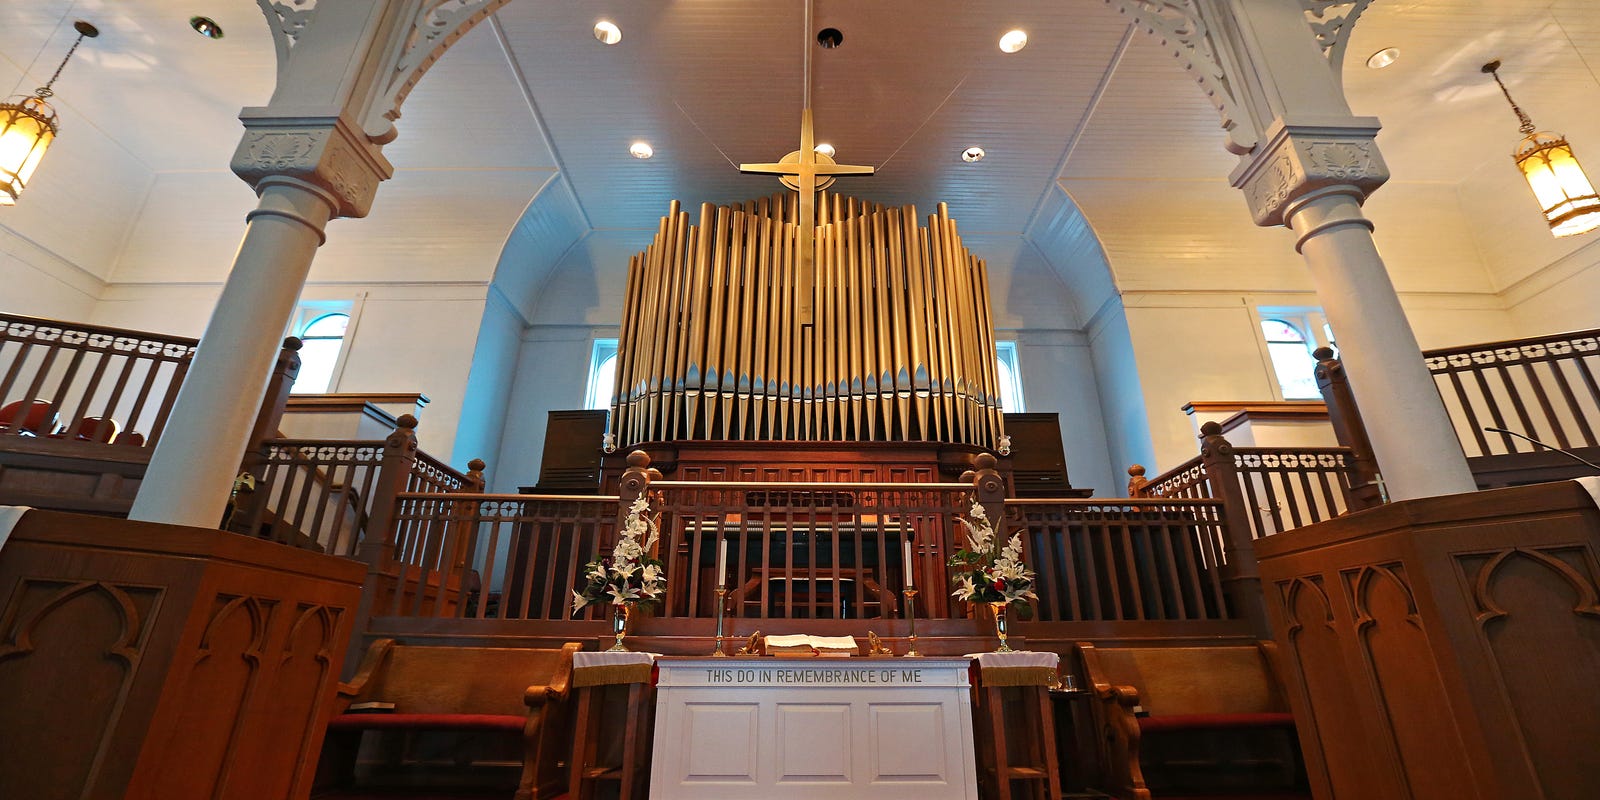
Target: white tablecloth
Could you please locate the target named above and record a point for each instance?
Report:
(597, 669)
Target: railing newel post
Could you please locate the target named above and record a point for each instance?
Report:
(1349, 430)
(1241, 575)
(989, 488)
(394, 472)
(1137, 483)
(379, 539)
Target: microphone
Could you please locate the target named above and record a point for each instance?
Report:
(1568, 453)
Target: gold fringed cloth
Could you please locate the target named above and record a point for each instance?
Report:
(1022, 668)
(901, 346)
(604, 669)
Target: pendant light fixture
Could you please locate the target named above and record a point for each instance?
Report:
(1564, 192)
(28, 125)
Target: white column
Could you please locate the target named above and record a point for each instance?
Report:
(194, 464)
(1412, 437)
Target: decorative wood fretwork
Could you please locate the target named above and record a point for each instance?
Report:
(712, 347)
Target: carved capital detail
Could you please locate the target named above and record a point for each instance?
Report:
(1179, 26)
(327, 152)
(287, 19)
(1299, 159)
(436, 26)
(1331, 22)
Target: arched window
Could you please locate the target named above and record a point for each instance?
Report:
(1010, 377)
(1291, 359)
(321, 339)
(602, 374)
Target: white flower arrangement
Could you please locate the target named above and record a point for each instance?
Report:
(631, 575)
(987, 576)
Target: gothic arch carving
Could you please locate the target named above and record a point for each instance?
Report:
(125, 648)
(1361, 590)
(1291, 595)
(1587, 598)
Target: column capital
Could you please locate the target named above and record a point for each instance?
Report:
(319, 147)
(1303, 155)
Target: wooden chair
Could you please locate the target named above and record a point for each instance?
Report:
(512, 691)
(93, 429)
(831, 592)
(1206, 719)
(28, 417)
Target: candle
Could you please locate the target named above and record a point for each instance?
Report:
(722, 565)
(907, 561)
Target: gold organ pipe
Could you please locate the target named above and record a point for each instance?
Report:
(901, 346)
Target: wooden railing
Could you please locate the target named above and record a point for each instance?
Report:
(1267, 489)
(1123, 560)
(327, 495)
(813, 550)
(1544, 387)
(100, 384)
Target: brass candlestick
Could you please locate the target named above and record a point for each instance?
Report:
(722, 594)
(911, 618)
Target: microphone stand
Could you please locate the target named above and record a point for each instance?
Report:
(1569, 454)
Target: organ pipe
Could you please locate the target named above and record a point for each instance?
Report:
(901, 347)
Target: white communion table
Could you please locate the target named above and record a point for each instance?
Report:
(886, 729)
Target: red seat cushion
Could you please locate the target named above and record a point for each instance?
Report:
(432, 722)
(1188, 722)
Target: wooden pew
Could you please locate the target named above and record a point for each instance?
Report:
(516, 691)
(1180, 716)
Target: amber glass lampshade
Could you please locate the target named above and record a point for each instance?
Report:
(1565, 194)
(27, 126)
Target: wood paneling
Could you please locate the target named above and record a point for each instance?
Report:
(1445, 647)
(153, 661)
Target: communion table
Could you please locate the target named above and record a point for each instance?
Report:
(887, 729)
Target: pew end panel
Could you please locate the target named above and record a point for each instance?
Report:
(1173, 716)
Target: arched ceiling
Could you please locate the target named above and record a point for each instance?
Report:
(523, 127)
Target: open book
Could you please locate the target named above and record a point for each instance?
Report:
(804, 645)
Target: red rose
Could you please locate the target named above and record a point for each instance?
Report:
(1000, 585)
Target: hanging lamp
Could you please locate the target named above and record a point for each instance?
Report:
(1564, 192)
(28, 125)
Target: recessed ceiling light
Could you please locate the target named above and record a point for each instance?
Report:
(830, 38)
(1384, 57)
(972, 154)
(206, 26)
(825, 149)
(1014, 41)
(641, 150)
(607, 32)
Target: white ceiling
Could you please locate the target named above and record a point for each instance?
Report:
(1085, 106)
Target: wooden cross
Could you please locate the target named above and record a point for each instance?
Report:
(807, 172)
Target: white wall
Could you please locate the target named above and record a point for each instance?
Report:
(416, 339)
(1116, 373)
(1058, 376)
(1564, 295)
(552, 369)
(487, 401)
(407, 338)
(42, 284)
(60, 242)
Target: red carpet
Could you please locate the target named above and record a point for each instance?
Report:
(1234, 797)
(409, 794)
